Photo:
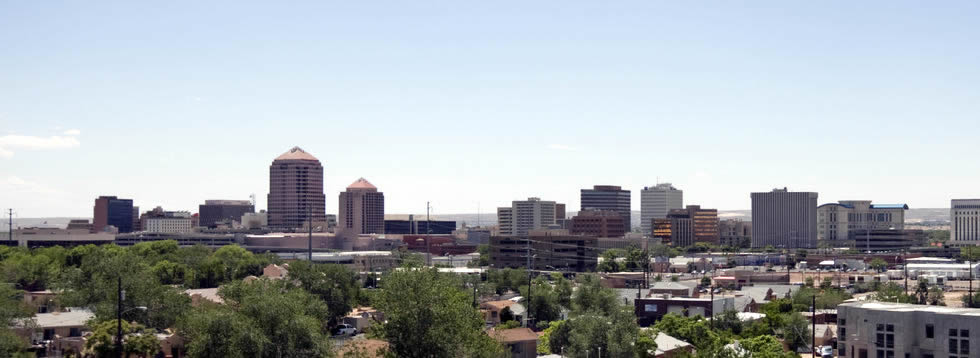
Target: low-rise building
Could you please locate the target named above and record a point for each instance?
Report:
(652, 308)
(553, 250)
(359, 261)
(881, 329)
(598, 223)
(519, 342)
(166, 222)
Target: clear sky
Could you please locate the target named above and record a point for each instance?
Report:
(476, 103)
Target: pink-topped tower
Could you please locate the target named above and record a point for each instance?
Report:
(295, 187)
(362, 209)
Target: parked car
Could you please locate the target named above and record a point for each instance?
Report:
(344, 330)
(827, 352)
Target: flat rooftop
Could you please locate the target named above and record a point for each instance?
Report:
(905, 307)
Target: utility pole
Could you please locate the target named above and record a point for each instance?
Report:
(119, 299)
(712, 290)
(905, 266)
(428, 234)
(309, 215)
(969, 267)
(813, 321)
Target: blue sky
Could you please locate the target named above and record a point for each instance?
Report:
(475, 104)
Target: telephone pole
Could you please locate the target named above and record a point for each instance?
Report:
(309, 215)
(428, 235)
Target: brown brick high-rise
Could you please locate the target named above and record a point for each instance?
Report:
(295, 185)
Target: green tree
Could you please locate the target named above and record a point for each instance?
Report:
(290, 319)
(765, 346)
(593, 332)
(213, 330)
(796, 331)
(137, 340)
(335, 285)
(827, 283)
(694, 330)
(706, 281)
(891, 292)
(563, 291)
(636, 259)
(970, 253)
(609, 261)
(94, 285)
(12, 311)
(878, 264)
(592, 297)
(428, 315)
(543, 306)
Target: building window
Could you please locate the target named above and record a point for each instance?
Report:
(952, 332)
(952, 346)
(930, 331)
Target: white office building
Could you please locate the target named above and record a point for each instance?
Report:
(964, 217)
(868, 329)
(656, 202)
(525, 215)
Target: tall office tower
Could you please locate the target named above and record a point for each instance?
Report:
(295, 188)
(840, 224)
(677, 229)
(685, 227)
(362, 209)
(656, 202)
(964, 217)
(524, 216)
(112, 211)
(609, 197)
(705, 224)
(784, 219)
(215, 211)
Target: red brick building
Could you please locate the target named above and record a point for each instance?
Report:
(598, 223)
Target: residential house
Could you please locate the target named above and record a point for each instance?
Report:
(493, 309)
(670, 347)
(520, 342)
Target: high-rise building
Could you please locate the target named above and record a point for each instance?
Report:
(839, 224)
(964, 216)
(598, 223)
(112, 211)
(784, 219)
(295, 189)
(735, 233)
(656, 202)
(685, 227)
(215, 211)
(705, 224)
(609, 197)
(525, 215)
(362, 209)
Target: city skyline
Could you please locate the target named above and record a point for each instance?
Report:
(160, 106)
